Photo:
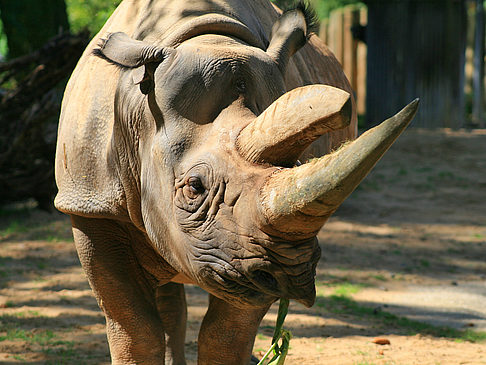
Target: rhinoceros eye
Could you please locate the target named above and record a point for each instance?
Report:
(193, 187)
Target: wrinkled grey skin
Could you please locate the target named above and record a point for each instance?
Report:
(147, 167)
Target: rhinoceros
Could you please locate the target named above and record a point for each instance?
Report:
(178, 161)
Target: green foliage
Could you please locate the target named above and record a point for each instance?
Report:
(3, 42)
(279, 351)
(89, 14)
(325, 7)
(322, 7)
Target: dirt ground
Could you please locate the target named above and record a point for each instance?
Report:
(404, 259)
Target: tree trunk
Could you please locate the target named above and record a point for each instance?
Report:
(29, 114)
(29, 24)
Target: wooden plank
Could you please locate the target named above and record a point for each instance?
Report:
(354, 48)
(349, 51)
(361, 67)
(478, 73)
(324, 31)
(336, 34)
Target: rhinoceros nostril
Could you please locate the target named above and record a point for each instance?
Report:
(265, 279)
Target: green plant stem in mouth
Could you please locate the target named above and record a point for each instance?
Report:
(279, 351)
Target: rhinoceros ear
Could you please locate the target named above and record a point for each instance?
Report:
(126, 52)
(290, 33)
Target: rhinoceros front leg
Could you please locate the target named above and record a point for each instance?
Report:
(227, 333)
(171, 304)
(134, 328)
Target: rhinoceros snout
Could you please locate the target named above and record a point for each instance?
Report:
(288, 270)
(279, 284)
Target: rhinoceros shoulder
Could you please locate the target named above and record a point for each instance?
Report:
(86, 178)
(86, 171)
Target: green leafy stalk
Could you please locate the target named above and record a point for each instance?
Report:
(283, 309)
(279, 359)
(279, 351)
(272, 348)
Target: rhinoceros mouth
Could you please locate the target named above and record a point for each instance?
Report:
(300, 288)
(260, 282)
(236, 290)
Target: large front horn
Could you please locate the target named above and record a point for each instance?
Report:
(298, 201)
(288, 126)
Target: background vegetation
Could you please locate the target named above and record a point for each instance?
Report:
(29, 24)
(91, 14)
(40, 43)
(322, 7)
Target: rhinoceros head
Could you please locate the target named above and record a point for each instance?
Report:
(216, 139)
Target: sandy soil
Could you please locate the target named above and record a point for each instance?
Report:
(410, 241)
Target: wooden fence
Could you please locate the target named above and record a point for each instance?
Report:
(351, 53)
(431, 37)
